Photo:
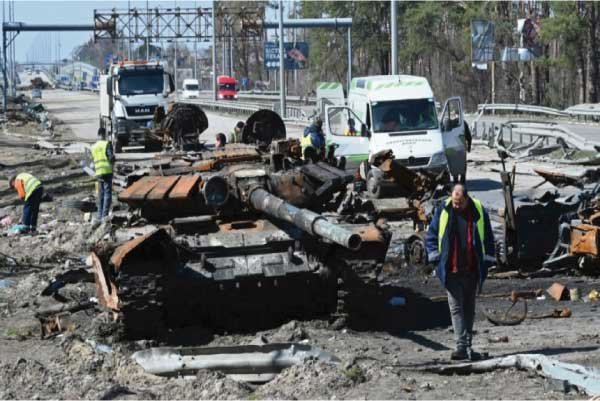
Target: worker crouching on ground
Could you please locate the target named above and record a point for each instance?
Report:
(461, 241)
(104, 158)
(29, 189)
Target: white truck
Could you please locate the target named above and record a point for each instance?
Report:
(398, 112)
(129, 94)
(191, 89)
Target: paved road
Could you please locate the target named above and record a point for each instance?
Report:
(80, 111)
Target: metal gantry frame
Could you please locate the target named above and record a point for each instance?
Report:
(153, 24)
(133, 24)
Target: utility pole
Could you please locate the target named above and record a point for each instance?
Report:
(394, 34)
(128, 26)
(214, 52)
(148, 27)
(195, 50)
(281, 66)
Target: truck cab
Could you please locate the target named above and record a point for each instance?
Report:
(226, 87)
(129, 94)
(191, 89)
(398, 112)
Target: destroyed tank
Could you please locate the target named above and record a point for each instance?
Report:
(249, 238)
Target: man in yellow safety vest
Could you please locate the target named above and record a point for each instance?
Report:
(29, 189)
(460, 240)
(104, 158)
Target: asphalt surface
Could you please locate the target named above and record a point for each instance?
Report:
(80, 111)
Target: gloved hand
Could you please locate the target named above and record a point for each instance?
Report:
(18, 228)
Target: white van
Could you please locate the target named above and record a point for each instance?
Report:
(398, 112)
(191, 89)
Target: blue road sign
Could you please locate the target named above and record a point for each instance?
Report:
(295, 57)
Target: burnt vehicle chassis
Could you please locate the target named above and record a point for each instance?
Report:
(243, 246)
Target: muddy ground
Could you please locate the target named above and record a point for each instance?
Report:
(87, 361)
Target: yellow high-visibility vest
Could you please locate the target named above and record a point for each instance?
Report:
(101, 163)
(444, 216)
(30, 183)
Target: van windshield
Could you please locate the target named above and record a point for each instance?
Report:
(404, 115)
(191, 87)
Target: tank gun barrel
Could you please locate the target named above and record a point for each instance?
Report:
(309, 221)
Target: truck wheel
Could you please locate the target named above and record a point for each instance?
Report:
(373, 187)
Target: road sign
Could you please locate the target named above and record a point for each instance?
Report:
(295, 57)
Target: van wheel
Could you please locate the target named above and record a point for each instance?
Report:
(373, 186)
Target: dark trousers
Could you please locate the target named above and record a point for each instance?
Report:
(32, 207)
(104, 194)
(462, 289)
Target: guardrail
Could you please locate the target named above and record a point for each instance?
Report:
(293, 113)
(524, 132)
(591, 111)
(521, 108)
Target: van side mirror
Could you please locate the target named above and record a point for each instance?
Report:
(445, 124)
(364, 131)
(109, 83)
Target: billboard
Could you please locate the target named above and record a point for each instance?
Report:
(483, 41)
(530, 31)
(295, 57)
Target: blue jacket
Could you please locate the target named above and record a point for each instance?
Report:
(443, 258)
(317, 137)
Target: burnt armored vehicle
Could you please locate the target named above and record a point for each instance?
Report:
(248, 239)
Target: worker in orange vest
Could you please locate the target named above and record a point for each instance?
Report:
(29, 189)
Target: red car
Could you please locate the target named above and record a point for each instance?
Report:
(226, 87)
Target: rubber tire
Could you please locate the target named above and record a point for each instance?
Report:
(373, 188)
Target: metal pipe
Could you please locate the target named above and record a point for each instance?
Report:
(22, 27)
(311, 23)
(214, 53)
(281, 65)
(305, 219)
(394, 34)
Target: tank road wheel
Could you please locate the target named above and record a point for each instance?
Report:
(373, 186)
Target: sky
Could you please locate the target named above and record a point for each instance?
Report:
(30, 44)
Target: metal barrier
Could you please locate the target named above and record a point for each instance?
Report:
(527, 132)
(583, 110)
(521, 108)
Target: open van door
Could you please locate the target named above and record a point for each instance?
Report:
(353, 145)
(453, 135)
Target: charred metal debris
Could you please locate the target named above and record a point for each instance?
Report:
(552, 231)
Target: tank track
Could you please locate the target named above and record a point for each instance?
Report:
(141, 301)
(358, 292)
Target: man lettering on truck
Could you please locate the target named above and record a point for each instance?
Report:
(461, 241)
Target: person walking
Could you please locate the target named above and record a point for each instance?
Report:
(460, 240)
(104, 159)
